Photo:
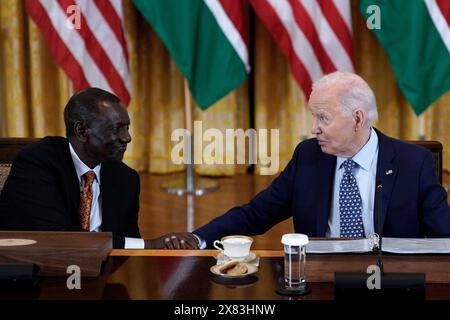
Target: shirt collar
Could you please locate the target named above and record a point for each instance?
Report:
(365, 156)
(81, 168)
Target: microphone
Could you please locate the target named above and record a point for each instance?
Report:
(354, 285)
(380, 227)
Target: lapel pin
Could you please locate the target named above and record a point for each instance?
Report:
(388, 172)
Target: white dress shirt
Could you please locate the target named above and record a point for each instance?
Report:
(365, 174)
(95, 220)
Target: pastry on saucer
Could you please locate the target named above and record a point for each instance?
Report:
(234, 268)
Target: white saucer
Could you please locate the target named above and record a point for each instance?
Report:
(251, 270)
(248, 258)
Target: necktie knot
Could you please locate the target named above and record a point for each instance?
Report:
(349, 165)
(89, 177)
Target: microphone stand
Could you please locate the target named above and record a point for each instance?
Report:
(380, 227)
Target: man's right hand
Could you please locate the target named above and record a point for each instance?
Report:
(180, 240)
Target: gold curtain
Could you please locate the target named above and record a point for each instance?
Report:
(34, 90)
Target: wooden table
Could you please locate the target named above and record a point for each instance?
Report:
(178, 274)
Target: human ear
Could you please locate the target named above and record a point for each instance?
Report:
(359, 119)
(81, 131)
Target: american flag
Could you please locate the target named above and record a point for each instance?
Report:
(93, 53)
(315, 35)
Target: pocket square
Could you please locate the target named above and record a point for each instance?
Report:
(388, 172)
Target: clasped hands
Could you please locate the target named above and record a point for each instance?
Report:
(180, 240)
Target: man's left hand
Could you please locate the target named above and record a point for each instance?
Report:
(180, 240)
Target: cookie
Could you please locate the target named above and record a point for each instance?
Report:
(237, 270)
(229, 265)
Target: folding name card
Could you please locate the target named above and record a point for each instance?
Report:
(56, 253)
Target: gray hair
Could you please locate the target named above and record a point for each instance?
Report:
(354, 93)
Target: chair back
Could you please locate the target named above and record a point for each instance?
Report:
(9, 147)
(436, 149)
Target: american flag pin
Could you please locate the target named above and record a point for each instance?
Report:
(388, 172)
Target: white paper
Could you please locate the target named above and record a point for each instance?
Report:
(392, 245)
(338, 246)
(408, 245)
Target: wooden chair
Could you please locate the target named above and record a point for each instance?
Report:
(9, 147)
(436, 149)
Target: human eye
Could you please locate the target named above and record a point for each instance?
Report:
(323, 118)
(114, 129)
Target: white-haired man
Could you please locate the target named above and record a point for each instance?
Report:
(329, 186)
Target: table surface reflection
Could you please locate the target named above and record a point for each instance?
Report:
(158, 277)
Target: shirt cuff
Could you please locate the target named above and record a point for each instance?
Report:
(201, 242)
(134, 243)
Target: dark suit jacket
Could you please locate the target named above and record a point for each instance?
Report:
(42, 193)
(413, 204)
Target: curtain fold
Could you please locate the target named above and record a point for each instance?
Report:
(34, 91)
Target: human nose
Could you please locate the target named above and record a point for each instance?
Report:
(315, 127)
(125, 136)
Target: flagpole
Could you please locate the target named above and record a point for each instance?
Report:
(70, 88)
(188, 124)
(190, 185)
(304, 130)
(422, 126)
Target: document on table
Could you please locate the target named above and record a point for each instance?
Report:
(339, 246)
(409, 245)
(392, 245)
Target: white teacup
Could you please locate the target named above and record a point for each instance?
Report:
(234, 246)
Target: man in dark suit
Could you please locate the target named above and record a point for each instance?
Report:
(329, 185)
(80, 183)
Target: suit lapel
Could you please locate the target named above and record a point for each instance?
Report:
(107, 196)
(70, 176)
(387, 170)
(324, 186)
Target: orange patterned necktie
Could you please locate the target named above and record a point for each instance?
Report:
(86, 200)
